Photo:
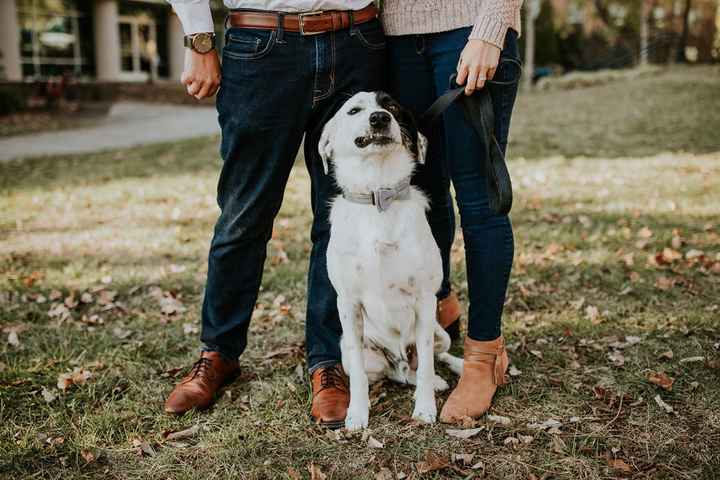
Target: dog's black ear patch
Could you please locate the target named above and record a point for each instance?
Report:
(408, 126)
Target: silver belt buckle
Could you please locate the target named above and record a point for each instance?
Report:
(301, 21)
(382, 198)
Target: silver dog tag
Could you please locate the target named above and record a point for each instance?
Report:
(383, 198)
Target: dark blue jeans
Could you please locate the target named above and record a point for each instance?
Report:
(276, 87)
(420, 68)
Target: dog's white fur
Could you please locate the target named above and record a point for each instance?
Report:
(385, 266)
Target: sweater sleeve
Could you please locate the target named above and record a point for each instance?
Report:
(495, 17)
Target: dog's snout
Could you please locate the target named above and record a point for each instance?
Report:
(380, 119)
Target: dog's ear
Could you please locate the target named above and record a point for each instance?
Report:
(325, 146)
(422, 146)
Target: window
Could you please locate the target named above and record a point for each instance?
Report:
(55, 37)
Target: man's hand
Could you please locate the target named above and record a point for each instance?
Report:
(478, 62)
(201, 76)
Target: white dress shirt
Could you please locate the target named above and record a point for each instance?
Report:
(195, 15)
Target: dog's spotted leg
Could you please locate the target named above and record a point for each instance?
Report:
(353, 360)
(425, 408)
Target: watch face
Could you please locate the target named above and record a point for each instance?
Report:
(202, 42)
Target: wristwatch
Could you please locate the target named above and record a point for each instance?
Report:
(200, 42)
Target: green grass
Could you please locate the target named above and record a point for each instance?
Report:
(137, 220)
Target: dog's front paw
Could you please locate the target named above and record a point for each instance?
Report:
(425, 413)
(356, 421)
(439, 384)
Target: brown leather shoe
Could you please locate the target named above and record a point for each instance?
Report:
(331, 397)
(484, 367)
(448, 315)
(200, 387)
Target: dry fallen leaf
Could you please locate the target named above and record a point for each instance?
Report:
(315, 472)
(619, 464)
(663, 405)
(373, 443)
(77, 377)
(593, 314)
(293, 474)
(467, 433)
(661, 380)
(143, 448)
(182, 434)
(692, 359)
(645, 232)
(463, 458)
(617, 358)
(514, 372)
(48, 396)
(433, 461)
(384, 474)
(13, 339)
(88, 456)
(666, 355)
(499, 419)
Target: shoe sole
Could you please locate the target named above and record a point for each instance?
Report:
(330, 425)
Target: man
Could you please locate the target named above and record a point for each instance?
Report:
(287, 67)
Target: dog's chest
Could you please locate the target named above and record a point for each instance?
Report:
(381, 252)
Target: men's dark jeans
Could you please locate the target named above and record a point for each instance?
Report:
(276, 87)
(420, 68)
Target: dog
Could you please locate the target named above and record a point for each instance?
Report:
(382, 258)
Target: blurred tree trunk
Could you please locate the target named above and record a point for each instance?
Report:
(645, 31)
(532, 9)
(684, 33)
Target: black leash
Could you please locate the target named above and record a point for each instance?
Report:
(479, 112)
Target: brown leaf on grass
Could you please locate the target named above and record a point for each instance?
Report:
(77, 377)
(661, 403)
(315, 472)
(384, 474)
(295, 350)
(433, 462)
(617, 358)
(88, 456)
(47, 395)
(664, 283)
(293, 474)
(463, 458)
(464, 434)
(13, 339)
(182, 434)
(661, 380)
(619, 464)
(668, 255)
(666, 355)
(33, 278)
(372, 442)
(645, 233)
(593, 314)
(143, 448)
(499, 419)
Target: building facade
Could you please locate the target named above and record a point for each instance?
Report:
(105, 40)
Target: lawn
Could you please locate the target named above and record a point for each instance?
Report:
(611, 317)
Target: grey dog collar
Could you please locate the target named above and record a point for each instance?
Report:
(382, 198)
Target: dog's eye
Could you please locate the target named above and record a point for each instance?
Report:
(393, 108)
(354, 110)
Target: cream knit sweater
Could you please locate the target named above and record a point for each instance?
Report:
(490, 18)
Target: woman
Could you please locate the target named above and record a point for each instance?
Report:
(428, 41)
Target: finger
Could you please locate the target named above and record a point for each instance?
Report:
(482, 77)
(472, 81)
(491, 73)
(194, 88)
(214, 89)
(462, 73)
(204, 91)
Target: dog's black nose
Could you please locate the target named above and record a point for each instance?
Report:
(380, 119)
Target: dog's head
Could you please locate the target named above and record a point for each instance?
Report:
(371, 123)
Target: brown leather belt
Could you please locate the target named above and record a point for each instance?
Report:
(310, 23)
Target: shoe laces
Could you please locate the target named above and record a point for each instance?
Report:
(202, 369)
(332, 378)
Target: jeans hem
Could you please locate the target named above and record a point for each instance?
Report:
(323, 364)
(205, 347)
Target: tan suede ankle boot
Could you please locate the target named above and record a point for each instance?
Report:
(484, 367)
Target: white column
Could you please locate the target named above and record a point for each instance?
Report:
(107, 40)
(176, 50)
(10, 41)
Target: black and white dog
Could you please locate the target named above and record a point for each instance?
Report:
(382, 258)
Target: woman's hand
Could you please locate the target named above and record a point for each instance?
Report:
(478, 62)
